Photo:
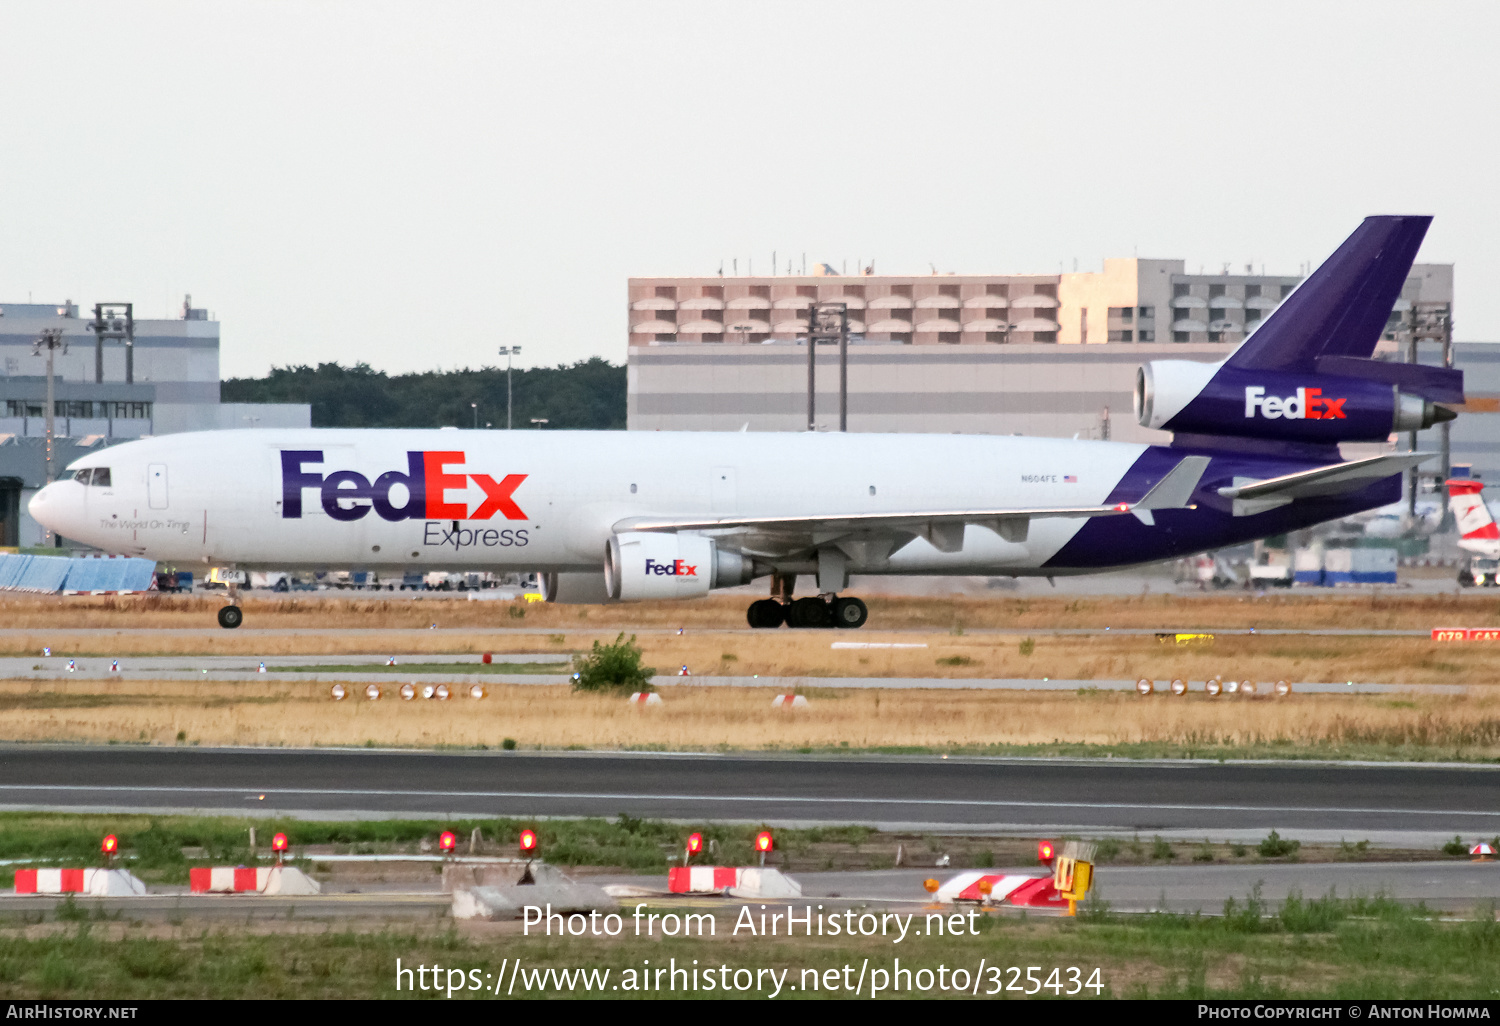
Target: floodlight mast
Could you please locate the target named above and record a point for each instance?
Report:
(116, 321)
(508, 352)
(52, 339)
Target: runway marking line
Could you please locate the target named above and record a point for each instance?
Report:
(592, 796)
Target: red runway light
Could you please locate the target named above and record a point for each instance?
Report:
(111, 844)
(1045, 852)
(694, 843)
(278, 843)
(763, 841)
(528, 841)
(446, 840)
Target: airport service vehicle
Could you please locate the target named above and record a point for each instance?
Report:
(630, 516)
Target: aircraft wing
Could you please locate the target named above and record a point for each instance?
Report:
(942, 527)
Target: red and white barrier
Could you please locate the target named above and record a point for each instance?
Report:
(1014, 889)
(737, 881)
(251, 880)
(645, 698)
(789, 702)
(99, 883)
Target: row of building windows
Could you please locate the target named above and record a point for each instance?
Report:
(833, 292)
(84, 409)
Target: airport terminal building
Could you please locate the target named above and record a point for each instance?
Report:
(165, 380)
(1050, 355)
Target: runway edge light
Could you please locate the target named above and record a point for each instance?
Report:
(110, 846)
(1045, 852)
(278, 845)
(447, 841)
(528, 842)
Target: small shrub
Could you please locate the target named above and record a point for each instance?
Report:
(1275, 846)
(613, 667)
(509, 744)
(729, 657)
(984, 860)
(1160, 849)
(518, 612)
(182, 735)
(1107, 850)
(1204, 853)
(1349, 851)
(958, 660)
(956, 630)
(1239, 851)
(1027, 646)
(1456, 847)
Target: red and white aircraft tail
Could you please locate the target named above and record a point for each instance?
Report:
(1476, 524)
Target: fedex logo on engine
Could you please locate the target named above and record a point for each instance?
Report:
(1307, 404)
(427, 481)
(676, 568)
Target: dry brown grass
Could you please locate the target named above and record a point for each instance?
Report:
(1221, 610)
(798, 654)
(695, 718)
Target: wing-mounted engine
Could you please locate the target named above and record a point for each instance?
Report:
(1221, 399)
(641, 565)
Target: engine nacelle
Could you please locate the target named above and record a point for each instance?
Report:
(641, 565)
(1213, 399)
(586, 589)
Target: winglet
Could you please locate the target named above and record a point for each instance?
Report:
(1174, 491)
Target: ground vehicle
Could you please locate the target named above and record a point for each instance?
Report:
(1481, 572)
(174, 581)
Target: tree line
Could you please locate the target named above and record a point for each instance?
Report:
(588, 395)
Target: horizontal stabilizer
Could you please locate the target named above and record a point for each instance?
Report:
(1334, 479)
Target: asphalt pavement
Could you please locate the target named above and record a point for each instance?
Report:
(1412, 804)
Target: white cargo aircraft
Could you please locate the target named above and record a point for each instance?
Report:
(626, 516)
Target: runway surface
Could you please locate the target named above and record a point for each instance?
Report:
(247, 668)
(1416, 805)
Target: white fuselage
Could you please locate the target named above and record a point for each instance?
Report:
(223, 498)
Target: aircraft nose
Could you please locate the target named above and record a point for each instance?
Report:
(56, 507)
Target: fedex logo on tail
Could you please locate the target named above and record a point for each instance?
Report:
(1307, 404)
(676, 568)
(428, 479)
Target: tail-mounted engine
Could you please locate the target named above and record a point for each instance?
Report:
(1215, 399)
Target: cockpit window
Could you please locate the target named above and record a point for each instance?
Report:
(84, 476)
(96, 476)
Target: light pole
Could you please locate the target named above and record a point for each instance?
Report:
(51, 340)
(540, 422)
(508, 352)
(475, 408)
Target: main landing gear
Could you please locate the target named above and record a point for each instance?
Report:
(834, 611)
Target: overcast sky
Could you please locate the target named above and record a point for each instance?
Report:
(413, 185)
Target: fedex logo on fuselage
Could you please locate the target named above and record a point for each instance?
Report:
(1307, 404)
(427, 480)
(676, 568)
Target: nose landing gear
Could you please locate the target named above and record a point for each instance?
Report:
(231, 617)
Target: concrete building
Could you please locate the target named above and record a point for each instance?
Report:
(166, 380)
(1051, 355)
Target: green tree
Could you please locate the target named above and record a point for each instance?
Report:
(613, 667)
(588, 395)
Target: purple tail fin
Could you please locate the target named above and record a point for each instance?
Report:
(1341, 309)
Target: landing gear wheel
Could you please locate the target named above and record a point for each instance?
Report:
(849, 612)
(766, 613)
(231, 617)
(809, 612)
